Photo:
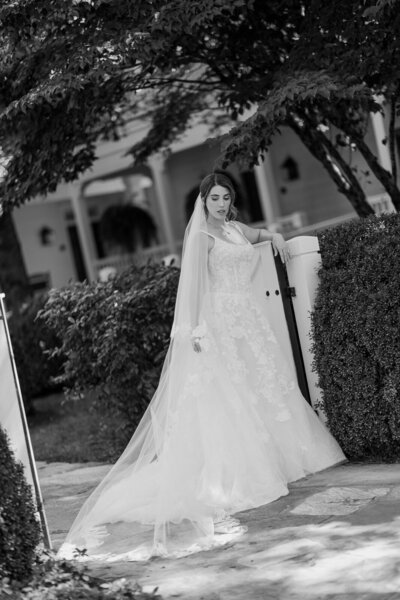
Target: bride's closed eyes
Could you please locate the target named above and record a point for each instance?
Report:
(227, 198)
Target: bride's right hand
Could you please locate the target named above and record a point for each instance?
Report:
(280, 247)
(196, 344)
(197, 336)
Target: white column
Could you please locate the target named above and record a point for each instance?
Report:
(85, 234)
(302, 272)
(380, 133)
(267, 189)
(161, 186)
(381, 203)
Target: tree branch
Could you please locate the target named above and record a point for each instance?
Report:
(323, 149)
(383, 175)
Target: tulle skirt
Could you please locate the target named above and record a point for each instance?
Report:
(227, 430)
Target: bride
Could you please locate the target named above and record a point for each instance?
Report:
(227, 428)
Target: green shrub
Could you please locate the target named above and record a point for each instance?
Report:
(31, 340)
(356, 325)
(19, 528)
(62, 580)
(115, 336)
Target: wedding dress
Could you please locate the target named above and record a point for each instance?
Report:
(227, 430)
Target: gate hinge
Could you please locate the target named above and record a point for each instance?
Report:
(291, 292)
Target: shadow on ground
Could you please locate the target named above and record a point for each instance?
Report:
(336, 535)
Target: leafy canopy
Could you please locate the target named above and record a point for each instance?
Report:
(73, 73)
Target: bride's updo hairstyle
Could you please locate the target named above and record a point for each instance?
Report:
(209, 182)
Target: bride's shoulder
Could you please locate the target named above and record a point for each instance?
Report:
(245, 230)
(211, 238)
(237, 225)
(240, 226)
(248, 232)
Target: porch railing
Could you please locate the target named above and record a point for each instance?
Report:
(114, 264)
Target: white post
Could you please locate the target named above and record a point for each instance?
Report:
(161, 191)
(84, 231)
(267, 190)
(384, 203)
(302, 272)
(379, 129)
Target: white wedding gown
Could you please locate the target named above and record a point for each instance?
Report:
(238, 432)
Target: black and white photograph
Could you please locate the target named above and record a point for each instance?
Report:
(199, 299)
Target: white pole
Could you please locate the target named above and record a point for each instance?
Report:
(379, 129)
(84, 232)
(267, 190)
(160, 187)
(32, 466)
(381, 203)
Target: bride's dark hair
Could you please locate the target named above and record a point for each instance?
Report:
(223, 180)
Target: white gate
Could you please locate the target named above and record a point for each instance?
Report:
(288, 298)
(269, 295)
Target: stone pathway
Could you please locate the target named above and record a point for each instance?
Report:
(335, 536)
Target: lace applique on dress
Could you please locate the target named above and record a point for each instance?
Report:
(242, 333)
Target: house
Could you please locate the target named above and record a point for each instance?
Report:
(61, 234)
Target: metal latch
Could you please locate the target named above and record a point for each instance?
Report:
(291, 292)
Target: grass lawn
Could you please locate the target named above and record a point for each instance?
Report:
(67, 431)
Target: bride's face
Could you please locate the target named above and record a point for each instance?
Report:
(218, 202)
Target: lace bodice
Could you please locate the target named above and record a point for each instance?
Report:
(230, 266)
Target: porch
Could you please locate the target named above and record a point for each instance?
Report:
(290, 226)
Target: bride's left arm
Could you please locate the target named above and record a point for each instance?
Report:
(263, 235)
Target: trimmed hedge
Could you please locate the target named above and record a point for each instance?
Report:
(356, 333)
(31, 341)
(19, 528)
(115, 336)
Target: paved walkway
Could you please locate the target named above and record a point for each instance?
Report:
(335, 536)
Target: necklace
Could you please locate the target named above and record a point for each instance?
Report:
(224, 230)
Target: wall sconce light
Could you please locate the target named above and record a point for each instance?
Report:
(46, 236)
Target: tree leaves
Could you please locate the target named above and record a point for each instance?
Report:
(115, 336)
(74, 73)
